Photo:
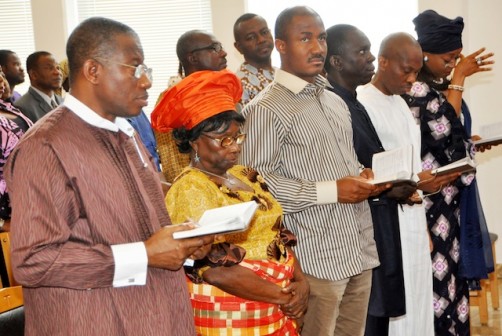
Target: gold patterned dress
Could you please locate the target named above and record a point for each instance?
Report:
(217, 312)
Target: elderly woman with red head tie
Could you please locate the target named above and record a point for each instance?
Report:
(435, 101)
(250, 283)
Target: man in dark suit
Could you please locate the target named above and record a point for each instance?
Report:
(45, 77)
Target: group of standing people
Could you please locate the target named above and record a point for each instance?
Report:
(19, 112)
(327, 253)
(296, 112)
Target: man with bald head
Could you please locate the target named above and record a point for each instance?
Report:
(197, 50)
(300, 140)
(399, 61)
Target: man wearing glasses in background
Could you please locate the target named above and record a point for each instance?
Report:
(92, 243)
(197, 50)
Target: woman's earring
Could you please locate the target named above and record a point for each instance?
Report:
(196, 158)
(426, 58)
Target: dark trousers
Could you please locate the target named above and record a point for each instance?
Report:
(376, 326)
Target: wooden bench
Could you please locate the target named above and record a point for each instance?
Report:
(11, 295)
(479, 298)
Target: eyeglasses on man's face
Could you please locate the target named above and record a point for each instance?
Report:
(216, 47)
(139, 70)
(228, 141)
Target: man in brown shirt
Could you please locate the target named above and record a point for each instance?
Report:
(92, 243)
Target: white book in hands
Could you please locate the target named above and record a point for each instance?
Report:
(393, 166)
(490, 135)
(227, 219)
(462, 166)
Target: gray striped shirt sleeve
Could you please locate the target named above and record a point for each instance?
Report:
(262, 151)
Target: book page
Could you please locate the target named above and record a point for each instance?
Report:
(393, 165)
(463, 166)
(230, 218)
(491, 134)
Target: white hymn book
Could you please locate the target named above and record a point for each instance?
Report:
(393, 166)
(227, 219)
(490, 134)
(462, 166)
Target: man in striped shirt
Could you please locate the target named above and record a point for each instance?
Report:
(300, 140)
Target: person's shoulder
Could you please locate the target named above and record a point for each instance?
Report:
(8, 127)
(32, 94)
(271, 96)
(244, 172)
(368, 93)
(405, 102)
(274, 102)
(242, 71)
(23, 101)
(239, 170)
(260, 101)
(334, 97)
(54, 125)
(365, 89)
(189, 176)
(45, 136)
(190, 182)
(27, 100)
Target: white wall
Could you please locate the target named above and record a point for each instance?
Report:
(49, 26)
(225, 13)
(481, 90)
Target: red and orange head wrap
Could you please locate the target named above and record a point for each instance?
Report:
(197, 97)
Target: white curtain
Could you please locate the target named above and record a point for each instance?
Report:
(159, 24)
(16, 32)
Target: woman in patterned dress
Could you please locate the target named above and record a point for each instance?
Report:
(13, 124)
(444, 141)
(250, 283)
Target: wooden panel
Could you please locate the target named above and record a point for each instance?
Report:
(5, 241)
(10, 298)
(494, 281)
(478, 298)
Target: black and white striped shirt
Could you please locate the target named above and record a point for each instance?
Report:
(299, 137)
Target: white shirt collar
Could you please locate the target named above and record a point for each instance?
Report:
(47, 98)
(296, 84)
(293, 83)
(94, 119)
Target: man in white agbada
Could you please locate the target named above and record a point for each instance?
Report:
(399, 61)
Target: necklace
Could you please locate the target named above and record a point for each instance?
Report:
(216, 175)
